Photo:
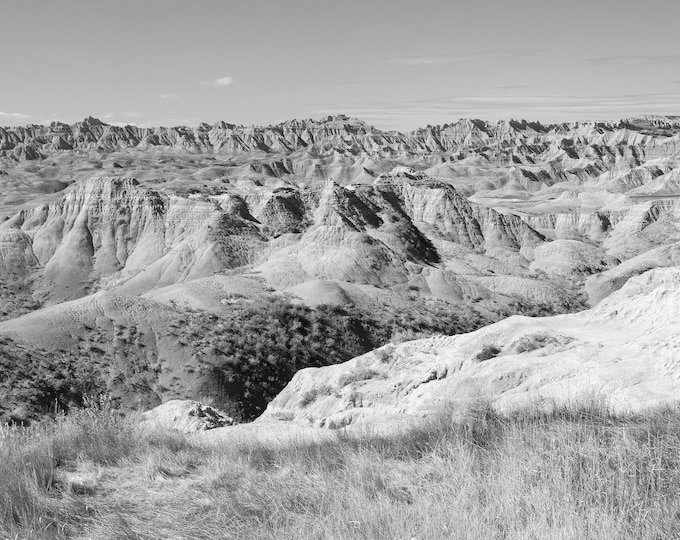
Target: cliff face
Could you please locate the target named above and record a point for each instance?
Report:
(455, 219)
(115, 228)
(17, 259)
(337, 199)
(113, 232)
(98, 228)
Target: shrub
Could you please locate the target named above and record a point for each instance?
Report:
(264, 341)
(96, 433)
(534, 342)
(311, 395)
(42, 383)
(487, 353)
(359, 374)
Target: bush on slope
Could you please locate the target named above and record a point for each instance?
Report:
(262, 343)
(35, 382)
(240, 358)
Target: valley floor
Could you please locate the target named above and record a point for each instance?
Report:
(574, 473)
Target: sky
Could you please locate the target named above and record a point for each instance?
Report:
(395, 64)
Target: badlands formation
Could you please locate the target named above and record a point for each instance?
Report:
(622, 354)
(114, 239)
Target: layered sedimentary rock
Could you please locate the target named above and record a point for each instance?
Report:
(115, 233)
(125, 229)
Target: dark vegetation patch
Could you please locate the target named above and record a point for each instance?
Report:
(257, 348)
(36, 382)
(16, 297)
(242, 357)
(487, 353)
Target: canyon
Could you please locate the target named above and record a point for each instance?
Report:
(130, 247)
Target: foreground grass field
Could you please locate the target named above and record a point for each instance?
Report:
(575, 473)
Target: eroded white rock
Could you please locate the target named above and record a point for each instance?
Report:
(187, 416)
(625, 350)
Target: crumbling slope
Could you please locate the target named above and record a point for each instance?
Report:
(625, 349)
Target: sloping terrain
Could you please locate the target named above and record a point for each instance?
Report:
(112, 235)
(236, 352)
(625, 350)
(309, 200)
(405, 232)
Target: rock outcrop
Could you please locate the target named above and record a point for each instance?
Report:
(334, 134)
(114, 233)
(624, 351)
(187, 416)
(610, 185)
(124, 231)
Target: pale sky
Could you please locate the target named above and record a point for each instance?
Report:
(393, 63)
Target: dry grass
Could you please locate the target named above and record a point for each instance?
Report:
(573, 473)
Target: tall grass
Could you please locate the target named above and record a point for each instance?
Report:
(576, 472)
(33, 498)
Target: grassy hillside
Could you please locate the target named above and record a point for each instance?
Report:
(238, 359)
(577, 473)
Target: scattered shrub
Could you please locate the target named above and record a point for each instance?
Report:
(534, 342)
(243, 357)
(487, 353)
(360, 374)
(311, 395)
(264, 341)
(96, 433)
(41, 382)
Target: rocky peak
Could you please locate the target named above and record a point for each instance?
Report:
(327, 135)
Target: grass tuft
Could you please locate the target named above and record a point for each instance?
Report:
(576, 472)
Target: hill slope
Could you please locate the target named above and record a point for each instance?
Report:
(625, 349)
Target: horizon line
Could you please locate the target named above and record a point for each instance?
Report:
(339, 116)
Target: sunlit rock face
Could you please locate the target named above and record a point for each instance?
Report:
(622, 352)
(451, 211)
(126, 230)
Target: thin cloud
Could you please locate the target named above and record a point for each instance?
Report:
(648, 59)
(221, 81)
(113, 115)
(172, 122)
(511, 87)
(168, 96)
(458, 59)
(432, 60)
(348, 82)
(14, 116)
